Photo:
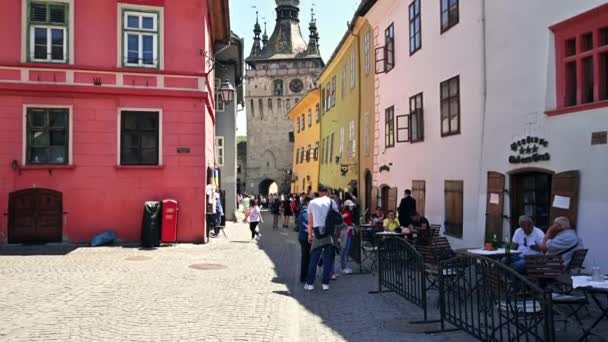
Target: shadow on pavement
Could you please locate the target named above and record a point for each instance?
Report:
(347, 310)
(42, 249)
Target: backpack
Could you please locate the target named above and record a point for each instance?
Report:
(332, 221)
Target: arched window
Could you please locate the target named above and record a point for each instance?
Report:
(261, 103)
(269, 105)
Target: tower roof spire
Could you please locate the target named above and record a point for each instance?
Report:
(256, 49)
(313, 38)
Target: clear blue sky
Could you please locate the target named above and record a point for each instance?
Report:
(332, 16)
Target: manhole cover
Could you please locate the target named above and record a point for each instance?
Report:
(137, 258)
(207, 267)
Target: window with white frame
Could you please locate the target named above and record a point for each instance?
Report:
(366, 134)
(341, 150)
(219, 151)
(47, 136)
(318, 113)
(352, 140)
(352, 69)
(48, 36)
(310, 118)
(140, 39)
(367, 41)
(139, 137)
(333, 92)
(344, 80)
(219, 103)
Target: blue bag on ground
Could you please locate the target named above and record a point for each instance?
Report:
(104, 238)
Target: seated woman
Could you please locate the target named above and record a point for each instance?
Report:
(391, 224)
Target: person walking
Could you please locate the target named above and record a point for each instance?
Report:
(254, 217)
(320, 237)
(407, 208)
(275, 210)
(287, 211)
(303, 239)
(346, 235)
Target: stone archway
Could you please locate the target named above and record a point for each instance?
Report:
(268, 186)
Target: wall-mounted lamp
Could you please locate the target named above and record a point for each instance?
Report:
(385, 168)
(227, 92)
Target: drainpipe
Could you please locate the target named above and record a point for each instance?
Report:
(484, 108)
(358, 134)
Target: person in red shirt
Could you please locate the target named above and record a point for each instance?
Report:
(347, 235)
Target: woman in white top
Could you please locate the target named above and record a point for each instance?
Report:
(254, 217)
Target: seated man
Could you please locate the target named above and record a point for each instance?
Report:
(561, 239)
(527, 239)
(391, 223)
(421, 225)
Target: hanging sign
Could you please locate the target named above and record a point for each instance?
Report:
(529, 150)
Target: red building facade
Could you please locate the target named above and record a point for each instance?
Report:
(105, 105)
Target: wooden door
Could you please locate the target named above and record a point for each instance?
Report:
(35, 216)
(566, 185)
(419, 194)
(495, 205)
(373, 200)
(384, 199)
(454, 208)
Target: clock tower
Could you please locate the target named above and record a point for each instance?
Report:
(280, 71)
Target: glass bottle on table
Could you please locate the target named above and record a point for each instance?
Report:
(494, 242)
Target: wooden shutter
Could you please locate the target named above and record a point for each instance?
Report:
(392, 199)
(565, 184)
(374, 201)
(494, 211)
(419, 194)
(453, 208)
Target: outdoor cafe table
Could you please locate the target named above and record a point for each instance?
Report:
(597, 291)
(495, 254)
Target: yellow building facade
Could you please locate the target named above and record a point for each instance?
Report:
(347, 101)
(306, 118)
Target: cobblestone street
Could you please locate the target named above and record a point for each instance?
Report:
(245, 291)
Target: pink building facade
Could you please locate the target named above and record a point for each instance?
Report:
(105, 105)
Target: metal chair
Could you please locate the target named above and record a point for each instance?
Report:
(578, 260)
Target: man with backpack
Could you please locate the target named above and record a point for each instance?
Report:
(323, 218)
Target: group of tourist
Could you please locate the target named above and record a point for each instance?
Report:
(560, 239)
(320, 240)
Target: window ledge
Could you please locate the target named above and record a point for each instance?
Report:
(577, 108)
(139, 167)
(47, 167)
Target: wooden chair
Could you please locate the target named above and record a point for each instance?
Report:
(433, 254)
(544, 269)
(435, 230)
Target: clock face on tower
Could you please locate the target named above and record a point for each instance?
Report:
(296, 85)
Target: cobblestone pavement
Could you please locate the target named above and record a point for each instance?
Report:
(128, 294)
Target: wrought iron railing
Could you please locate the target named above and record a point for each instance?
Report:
(401, 270)
(492, 302)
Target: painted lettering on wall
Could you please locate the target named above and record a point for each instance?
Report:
(529, 150)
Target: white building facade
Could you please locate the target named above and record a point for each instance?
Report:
(425, 142)
(547, 74)
(523, 128)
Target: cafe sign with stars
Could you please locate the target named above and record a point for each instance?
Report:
(529, 150)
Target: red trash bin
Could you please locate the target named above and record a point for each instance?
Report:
(169, 221)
